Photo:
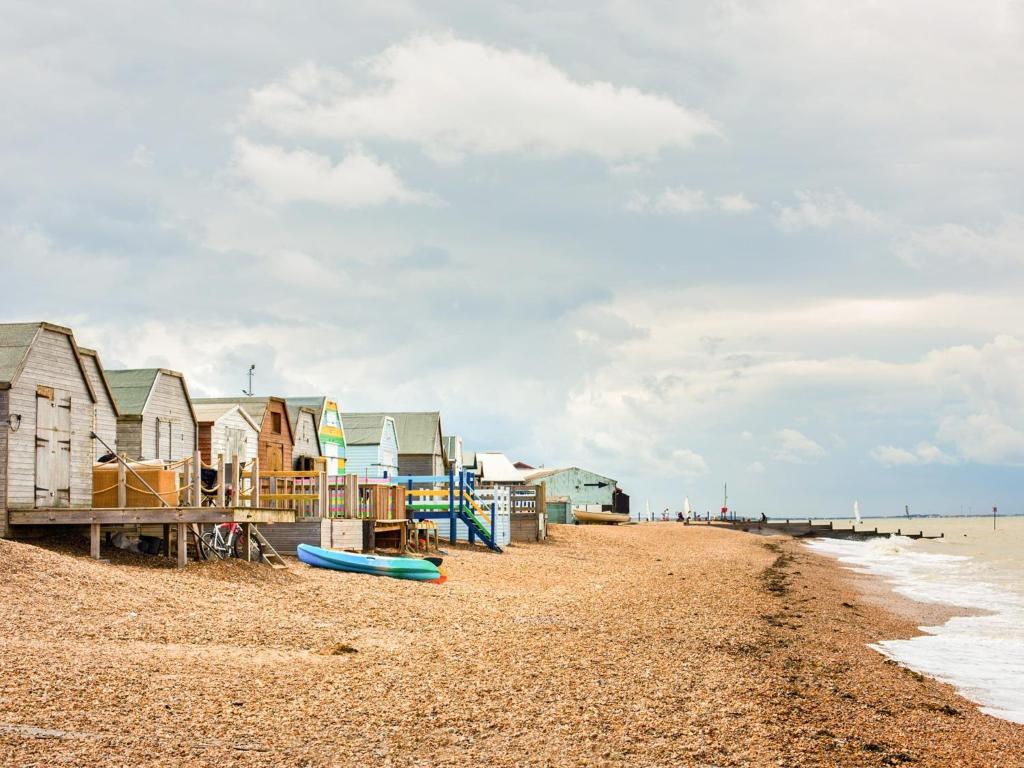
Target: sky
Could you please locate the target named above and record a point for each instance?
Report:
(775, 244)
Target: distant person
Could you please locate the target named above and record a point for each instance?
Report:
(679, 517)
(764, 518)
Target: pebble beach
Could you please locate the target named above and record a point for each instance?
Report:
(641, 645)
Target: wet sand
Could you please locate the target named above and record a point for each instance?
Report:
(655, 645)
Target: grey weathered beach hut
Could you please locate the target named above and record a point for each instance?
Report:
(105, 421)
(157, 420)
(420, 443)
(46, 420)
(307, 440)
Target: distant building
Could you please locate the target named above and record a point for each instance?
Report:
(330, 430)
(277, 435)
(568, 488)
(453, 452)
(420, 444)
(494, 468)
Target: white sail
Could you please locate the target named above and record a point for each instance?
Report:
(686, 506)
(856, 512)
(647, 509)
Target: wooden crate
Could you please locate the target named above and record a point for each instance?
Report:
(163, 481)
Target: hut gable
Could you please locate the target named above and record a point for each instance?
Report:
(330, 430)
(307, 441)
(421, 451)
(225, 428)
(47, 407)
(276, 432)
(156, 418)
(372, 445)
(105, 420)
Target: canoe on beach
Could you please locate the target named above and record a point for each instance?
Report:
(412, 568)
(608, 518)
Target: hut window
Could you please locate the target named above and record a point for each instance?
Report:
(275, 423)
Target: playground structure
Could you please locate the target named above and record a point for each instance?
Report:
(470, 514)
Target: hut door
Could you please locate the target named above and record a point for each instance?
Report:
(53, 448)
(275, 458)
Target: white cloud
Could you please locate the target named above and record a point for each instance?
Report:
(357, 181)
(688, 463)
(823, 210)
(682, 200)
(795, 447)
(746, 435)
(924, 453)
(755, 468)
(958, 244)
(454, 97)
(142, 157)
(737, 203)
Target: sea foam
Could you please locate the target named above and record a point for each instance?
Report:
(981, 656)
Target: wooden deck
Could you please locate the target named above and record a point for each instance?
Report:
(180, 517)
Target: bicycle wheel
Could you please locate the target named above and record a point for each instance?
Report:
(210, 545)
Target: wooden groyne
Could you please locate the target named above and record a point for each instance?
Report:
(809, 528)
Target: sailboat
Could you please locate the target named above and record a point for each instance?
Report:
(686, 507)
(856, 512)
(647, 509)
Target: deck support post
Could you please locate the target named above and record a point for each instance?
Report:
(182, 545)
(236, 477)
(352, 496)
(247, 542)
(324, 494)
(122, 486)
(167, 540)
(94, 540)
(221, 480)
(255, 497)
(197, 474)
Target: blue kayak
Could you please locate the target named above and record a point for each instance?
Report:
(373, 565)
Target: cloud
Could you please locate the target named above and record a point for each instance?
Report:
(755, 468)
(959, 244)
(924, 453)
(359, 180)
(823, 210)
(737, 203)
(682, 200)
(454, 97)
(688, 463)
(796, 448)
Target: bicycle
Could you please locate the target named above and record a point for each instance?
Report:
(225, 541)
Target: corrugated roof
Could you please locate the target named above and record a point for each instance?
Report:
(540, 474)
(131, 388)
(363, 428)
(417, 432)
(496, 468)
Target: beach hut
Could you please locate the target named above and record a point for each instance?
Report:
(372, 446)
(453, 452)
(307, 440)
(574, 487)
(156, 419)
(420, 447)
(226, 429)
(47, 406)
(276, 435)
(105, 421)
(329, 429)
(495, 468)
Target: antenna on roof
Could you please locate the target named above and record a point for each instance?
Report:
(249, 392)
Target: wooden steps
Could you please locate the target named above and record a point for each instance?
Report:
(269, 554)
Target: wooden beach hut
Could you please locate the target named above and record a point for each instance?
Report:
(47, 406)
(372, 445)
(105, 421)
(307, 439)
(421, 448)
(156, 419)
(276, 435)
(226, 429)
(573, 487)
(329, 429)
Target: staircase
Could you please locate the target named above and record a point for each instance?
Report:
(265, 550)
(467, 512)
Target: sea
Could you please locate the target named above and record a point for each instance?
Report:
(978, 565)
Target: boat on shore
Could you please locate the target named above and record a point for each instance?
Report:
(607, 518)
(412, 568)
